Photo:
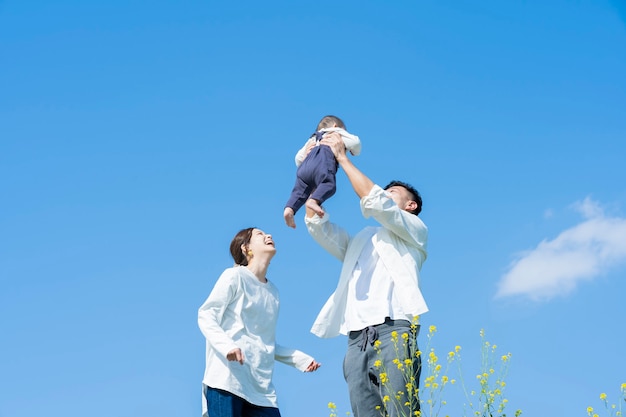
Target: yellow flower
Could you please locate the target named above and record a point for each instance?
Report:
(603, 396)
(378, 363)
(505, 358)
(386, 399)
(408, 362)
(623, 387)
(405, 336)
(450, 355)
(394, 335)
(589, 410)
(377, 343)
(332, 406)
(457, 348)
(437, 368)
(453, 381)
(432, 329)
(383, 378)
(444, 379)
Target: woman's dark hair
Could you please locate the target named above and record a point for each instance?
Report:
(416, 195)
(241, 238)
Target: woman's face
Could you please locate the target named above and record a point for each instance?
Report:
(261, 243)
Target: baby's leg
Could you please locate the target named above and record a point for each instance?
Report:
(288, 215)
(314, 205)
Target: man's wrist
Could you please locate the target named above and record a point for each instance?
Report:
(341, 159)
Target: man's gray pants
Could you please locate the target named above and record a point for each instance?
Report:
(363, 377)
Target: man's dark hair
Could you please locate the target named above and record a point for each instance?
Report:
(416, 195)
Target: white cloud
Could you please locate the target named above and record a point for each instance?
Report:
(581, 253)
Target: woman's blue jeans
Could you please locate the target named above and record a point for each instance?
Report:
(222, 403)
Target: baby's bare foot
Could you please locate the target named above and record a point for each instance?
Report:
(288, 215)
(314, 205)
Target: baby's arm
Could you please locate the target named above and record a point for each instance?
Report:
(352, 142)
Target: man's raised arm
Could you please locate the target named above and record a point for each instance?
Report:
(362, 184)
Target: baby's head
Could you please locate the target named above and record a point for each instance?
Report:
(330, 121)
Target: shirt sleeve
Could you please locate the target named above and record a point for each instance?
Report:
(352, 142)
(292, 357)
(405, 225)
(328, 235)
(212, 311)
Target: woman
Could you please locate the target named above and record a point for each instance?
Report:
(238, 321)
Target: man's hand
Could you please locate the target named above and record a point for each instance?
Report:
(309, 147)
(362, 185)
(235, 355)
(334, 141)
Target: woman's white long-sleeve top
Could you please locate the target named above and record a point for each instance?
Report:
(241, 312)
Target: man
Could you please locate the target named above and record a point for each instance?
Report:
(378, 290)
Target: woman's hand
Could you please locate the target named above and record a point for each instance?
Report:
(235, 355)
(313, 366)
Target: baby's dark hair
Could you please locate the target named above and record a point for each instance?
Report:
(330, 121)
(241, 238)
(416, 195)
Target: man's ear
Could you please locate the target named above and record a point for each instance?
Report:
(411, 206)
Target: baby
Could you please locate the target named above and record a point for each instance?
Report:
(315, 177)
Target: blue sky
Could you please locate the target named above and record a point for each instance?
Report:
(136, 138)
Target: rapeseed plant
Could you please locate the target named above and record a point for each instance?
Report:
(428, 400)
(488, 400)
(613, 410)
